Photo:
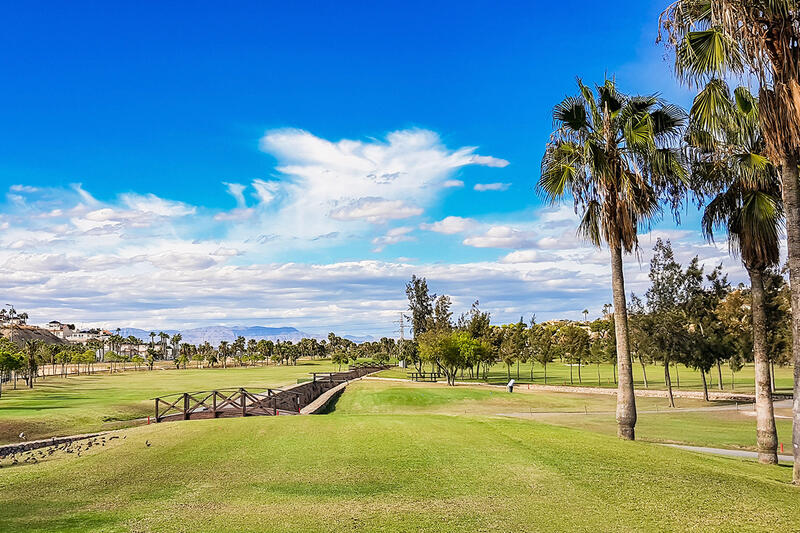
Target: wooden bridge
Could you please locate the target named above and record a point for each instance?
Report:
(243, 402)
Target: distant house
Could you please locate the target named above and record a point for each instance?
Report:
(62, 331)
(87, 335)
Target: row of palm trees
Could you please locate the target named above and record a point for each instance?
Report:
(622, 158)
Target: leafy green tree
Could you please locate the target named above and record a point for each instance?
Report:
(11, 360)
(603, 348)
(575, 343)
(339, 357)
(442, 315)
(420, 303)
(443, 350)
(615, 155)
(111, 357)
(713, 38)
(513, 346)
(543, 340)
(137, 360)
(666, 324)
(478, 324)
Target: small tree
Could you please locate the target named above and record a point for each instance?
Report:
(442, 350)
(543, 342)
(575, 342)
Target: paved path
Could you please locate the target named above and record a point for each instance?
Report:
(729, 453)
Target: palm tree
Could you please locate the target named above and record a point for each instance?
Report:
(223, 353)
(760, 38)
(176, 341)
(31, 349)
(730, 165)
(163, 338)
(613, 154)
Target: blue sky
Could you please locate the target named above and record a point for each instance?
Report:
(188, 163)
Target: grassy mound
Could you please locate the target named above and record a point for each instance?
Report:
(389, 473)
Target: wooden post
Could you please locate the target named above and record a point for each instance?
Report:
(186, 406)
(157, 419)
(243, 399)
(214, 405)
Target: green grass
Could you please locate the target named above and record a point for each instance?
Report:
(594, 412)
(559, 374)
(393, 456)
(390, 473)
(79, 404)
(380, 397)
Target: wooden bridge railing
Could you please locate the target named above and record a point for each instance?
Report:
(242, 402)
(231, 402)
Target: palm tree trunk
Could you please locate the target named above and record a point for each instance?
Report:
(772, 375)
(626, 401)
(791, 202)
(766, 433)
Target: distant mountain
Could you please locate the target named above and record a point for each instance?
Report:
(216, 334)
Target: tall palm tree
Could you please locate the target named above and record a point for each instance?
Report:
(614, 155)
(176, 341)
(729, 164)
(223, 353)
(757, 37)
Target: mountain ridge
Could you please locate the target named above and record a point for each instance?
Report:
(216, 334)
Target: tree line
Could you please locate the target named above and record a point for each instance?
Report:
(28, 360)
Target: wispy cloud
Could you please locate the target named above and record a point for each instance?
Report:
(481, 187)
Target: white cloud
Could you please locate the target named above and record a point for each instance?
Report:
(452, 184)
(238, 214)
(266, 191)
(85, 196)
(521, 256)
(153, 205)
(23, 188)
(489, 161)
(451, 225)
(359, 180)
(237, 191)
(481, 187)
(375, 210)
(503, 237)
(393, 236)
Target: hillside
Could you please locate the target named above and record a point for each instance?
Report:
(22, 334)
